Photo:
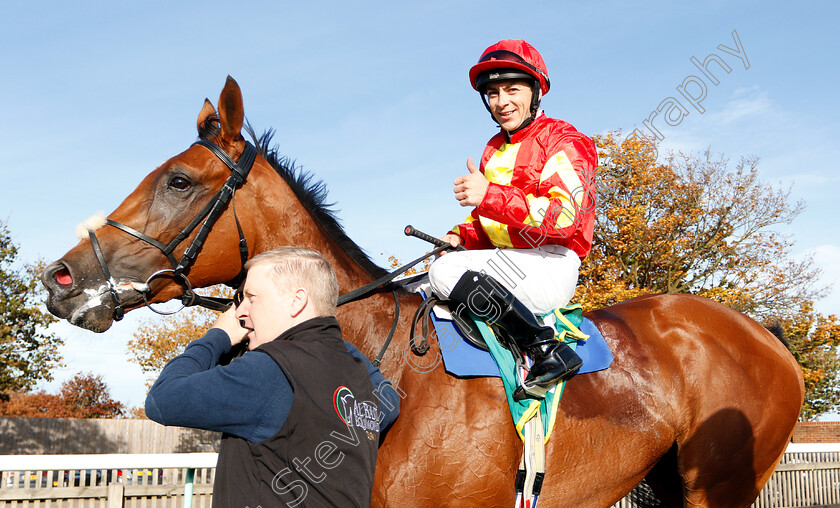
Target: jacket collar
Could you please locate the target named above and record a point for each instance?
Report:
(522, 133)
(313, 329)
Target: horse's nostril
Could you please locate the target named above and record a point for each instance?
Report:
(63, 278)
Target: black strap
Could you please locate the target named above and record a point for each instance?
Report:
(243, 249)
(384, 347)
(246, 160)
(422, 316)
(191, 298)
(363, 291)
(119, 312)
(146, 238)
(239, 172)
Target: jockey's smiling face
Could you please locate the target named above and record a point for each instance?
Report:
(510, 102)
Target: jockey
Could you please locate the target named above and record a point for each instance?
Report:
(531, 224)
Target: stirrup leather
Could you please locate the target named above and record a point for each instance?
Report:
(529, 477)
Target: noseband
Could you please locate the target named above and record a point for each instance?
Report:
(209, 214)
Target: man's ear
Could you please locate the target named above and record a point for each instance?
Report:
(300, 300)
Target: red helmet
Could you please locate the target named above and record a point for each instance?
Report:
(514, 59)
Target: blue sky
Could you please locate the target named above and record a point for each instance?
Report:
(374, 99)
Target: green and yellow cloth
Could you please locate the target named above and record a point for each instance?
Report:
(567, 321)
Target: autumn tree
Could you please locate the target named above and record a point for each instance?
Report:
(38, 404)
(698, 224)
(159, 340)
(88, 396)
(814, 340)
(28, 353)
(84, 396)
(692, 224)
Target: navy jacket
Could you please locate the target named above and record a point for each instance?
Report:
(250, 398)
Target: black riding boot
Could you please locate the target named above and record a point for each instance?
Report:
(554, 360)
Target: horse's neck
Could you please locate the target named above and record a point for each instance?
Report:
(366, 323)
(349, 274)
(292, 224)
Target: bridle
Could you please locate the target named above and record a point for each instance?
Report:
(209, 214)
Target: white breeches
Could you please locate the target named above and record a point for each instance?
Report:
(543, 278)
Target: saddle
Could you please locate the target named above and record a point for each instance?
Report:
(465, 353)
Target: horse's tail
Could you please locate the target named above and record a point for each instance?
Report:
(779, 332)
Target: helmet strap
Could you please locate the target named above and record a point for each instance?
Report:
(487, 105)
(535, 98)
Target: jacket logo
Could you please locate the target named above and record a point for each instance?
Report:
(362, 415)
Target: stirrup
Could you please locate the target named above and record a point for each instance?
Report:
(524, 390)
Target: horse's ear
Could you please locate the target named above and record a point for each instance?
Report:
(206, 118)
(231, 111)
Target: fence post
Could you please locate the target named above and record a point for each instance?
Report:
(188, 488)
(116, 495)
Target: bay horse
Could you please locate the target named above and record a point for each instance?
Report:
(700, 400)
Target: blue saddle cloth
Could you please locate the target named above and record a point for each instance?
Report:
(462, 359)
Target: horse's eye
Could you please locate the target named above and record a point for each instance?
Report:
(180, 183)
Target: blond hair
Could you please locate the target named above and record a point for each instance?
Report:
(298, 267)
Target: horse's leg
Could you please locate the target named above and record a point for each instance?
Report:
(749, 392)
(665, 482)
(717, 462)
(723, 464)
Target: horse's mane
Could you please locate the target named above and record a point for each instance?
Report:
(312, 194)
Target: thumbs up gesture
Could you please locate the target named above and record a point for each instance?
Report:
(471, 188)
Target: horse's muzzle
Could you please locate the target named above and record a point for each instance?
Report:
(76, 299)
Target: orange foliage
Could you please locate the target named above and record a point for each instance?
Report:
(691, 224)
(83, 396)
(38, 404)
(395, 263)
(815, 341)
(157, 341)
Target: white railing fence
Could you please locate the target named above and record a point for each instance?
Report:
(108, 480)
(808, 475)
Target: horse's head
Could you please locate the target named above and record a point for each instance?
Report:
(150, 231)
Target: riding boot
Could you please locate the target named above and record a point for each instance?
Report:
(554, 360)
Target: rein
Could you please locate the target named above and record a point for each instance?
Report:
(368, 289)
(209, 214)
